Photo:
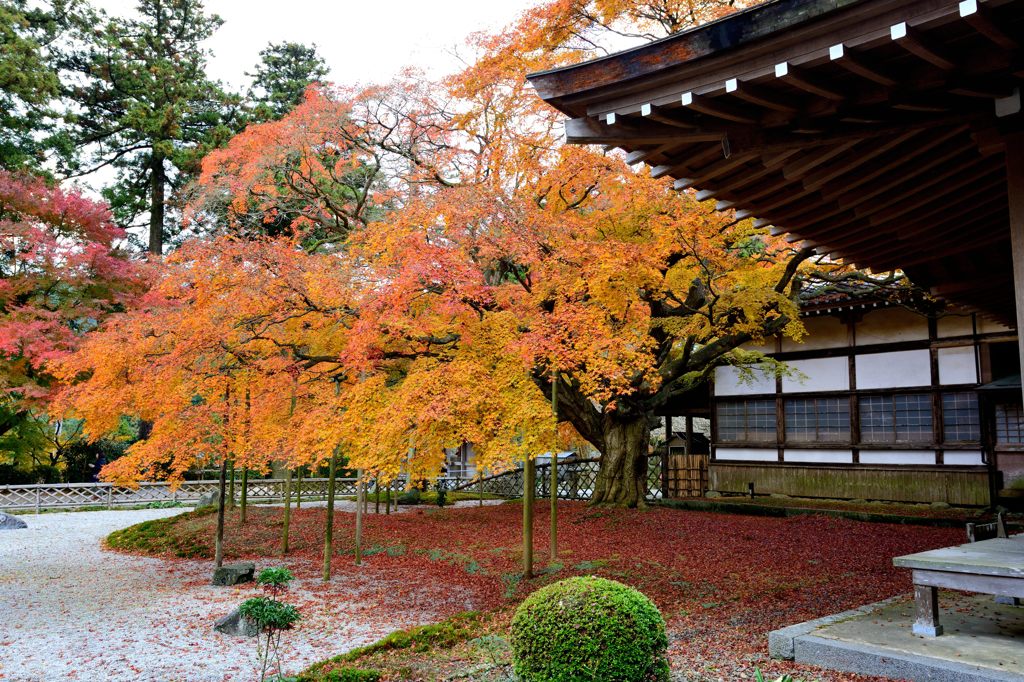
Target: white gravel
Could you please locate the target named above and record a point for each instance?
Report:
(71, 610)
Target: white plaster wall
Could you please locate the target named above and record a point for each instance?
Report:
(897, 457)
(747, 454)
(818, 374)
(954, 325)
(957, 365)
(818, 456)
(730, 381)
(900, 369)
(962, 458)
(890, 325)
(822, 332)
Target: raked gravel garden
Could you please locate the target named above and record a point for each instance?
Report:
(72, 610)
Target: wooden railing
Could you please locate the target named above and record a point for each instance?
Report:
(75, 495)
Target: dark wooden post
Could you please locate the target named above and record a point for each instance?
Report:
(665, 492)
(1015, 192)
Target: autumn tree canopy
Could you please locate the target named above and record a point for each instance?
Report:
(407, 267)
(61, 274)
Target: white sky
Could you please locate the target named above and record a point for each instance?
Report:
(362, 42)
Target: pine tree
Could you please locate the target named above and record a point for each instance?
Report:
(144, 105)
(280, 79)
(28, 84)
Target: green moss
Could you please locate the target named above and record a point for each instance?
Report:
(165, 536)
(459, 628)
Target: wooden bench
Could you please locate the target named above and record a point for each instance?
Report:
(993, 566)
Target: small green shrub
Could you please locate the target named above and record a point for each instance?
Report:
(269, 614)
(589, 628)
(411, 497)
(272, 616)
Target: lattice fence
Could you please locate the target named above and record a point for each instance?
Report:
(576, 480)
(73, 495)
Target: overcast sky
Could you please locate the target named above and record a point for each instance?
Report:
(362, 42)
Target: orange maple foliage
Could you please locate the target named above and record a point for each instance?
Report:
(437, 254)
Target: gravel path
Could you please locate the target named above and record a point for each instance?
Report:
(71, 610)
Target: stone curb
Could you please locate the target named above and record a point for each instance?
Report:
(782, 642)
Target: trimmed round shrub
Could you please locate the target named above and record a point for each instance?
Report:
(589, 628)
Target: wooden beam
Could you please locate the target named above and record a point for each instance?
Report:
(591, 131)
(723, 110)
(980, 21)
(912, 41)
(940, 184)
(662, 115)
(799, 78)
(762, 97)
(798, 168)
(859, 65)
(918, 164)
(855, 161)
(925, 198)
(893, 160)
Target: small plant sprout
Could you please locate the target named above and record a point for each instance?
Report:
(272, 617)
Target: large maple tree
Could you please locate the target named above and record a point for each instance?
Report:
(420, 260)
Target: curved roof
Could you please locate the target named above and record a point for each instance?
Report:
(872, 130)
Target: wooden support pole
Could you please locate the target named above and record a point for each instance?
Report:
(1015, 193)
(287, 510)
(360, 509)
(329, 528)
(529, 490)
(553, 470)
(218, 552)
(245, 495)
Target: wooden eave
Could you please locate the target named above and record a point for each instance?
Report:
(869, 129)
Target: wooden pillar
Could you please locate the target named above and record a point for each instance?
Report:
(666, 480)
(1015, 192)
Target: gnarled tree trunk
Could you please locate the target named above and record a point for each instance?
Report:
(622, 478)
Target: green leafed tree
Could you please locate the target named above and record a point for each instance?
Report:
(28, 85)
(280, 79)
(144, 105)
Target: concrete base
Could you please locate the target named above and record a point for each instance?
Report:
(983, 641)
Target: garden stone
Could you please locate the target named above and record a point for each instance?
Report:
(233, 574)
(236, 624)
(8, 522)
(940, 505)
(712, 494)
(208, 499)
